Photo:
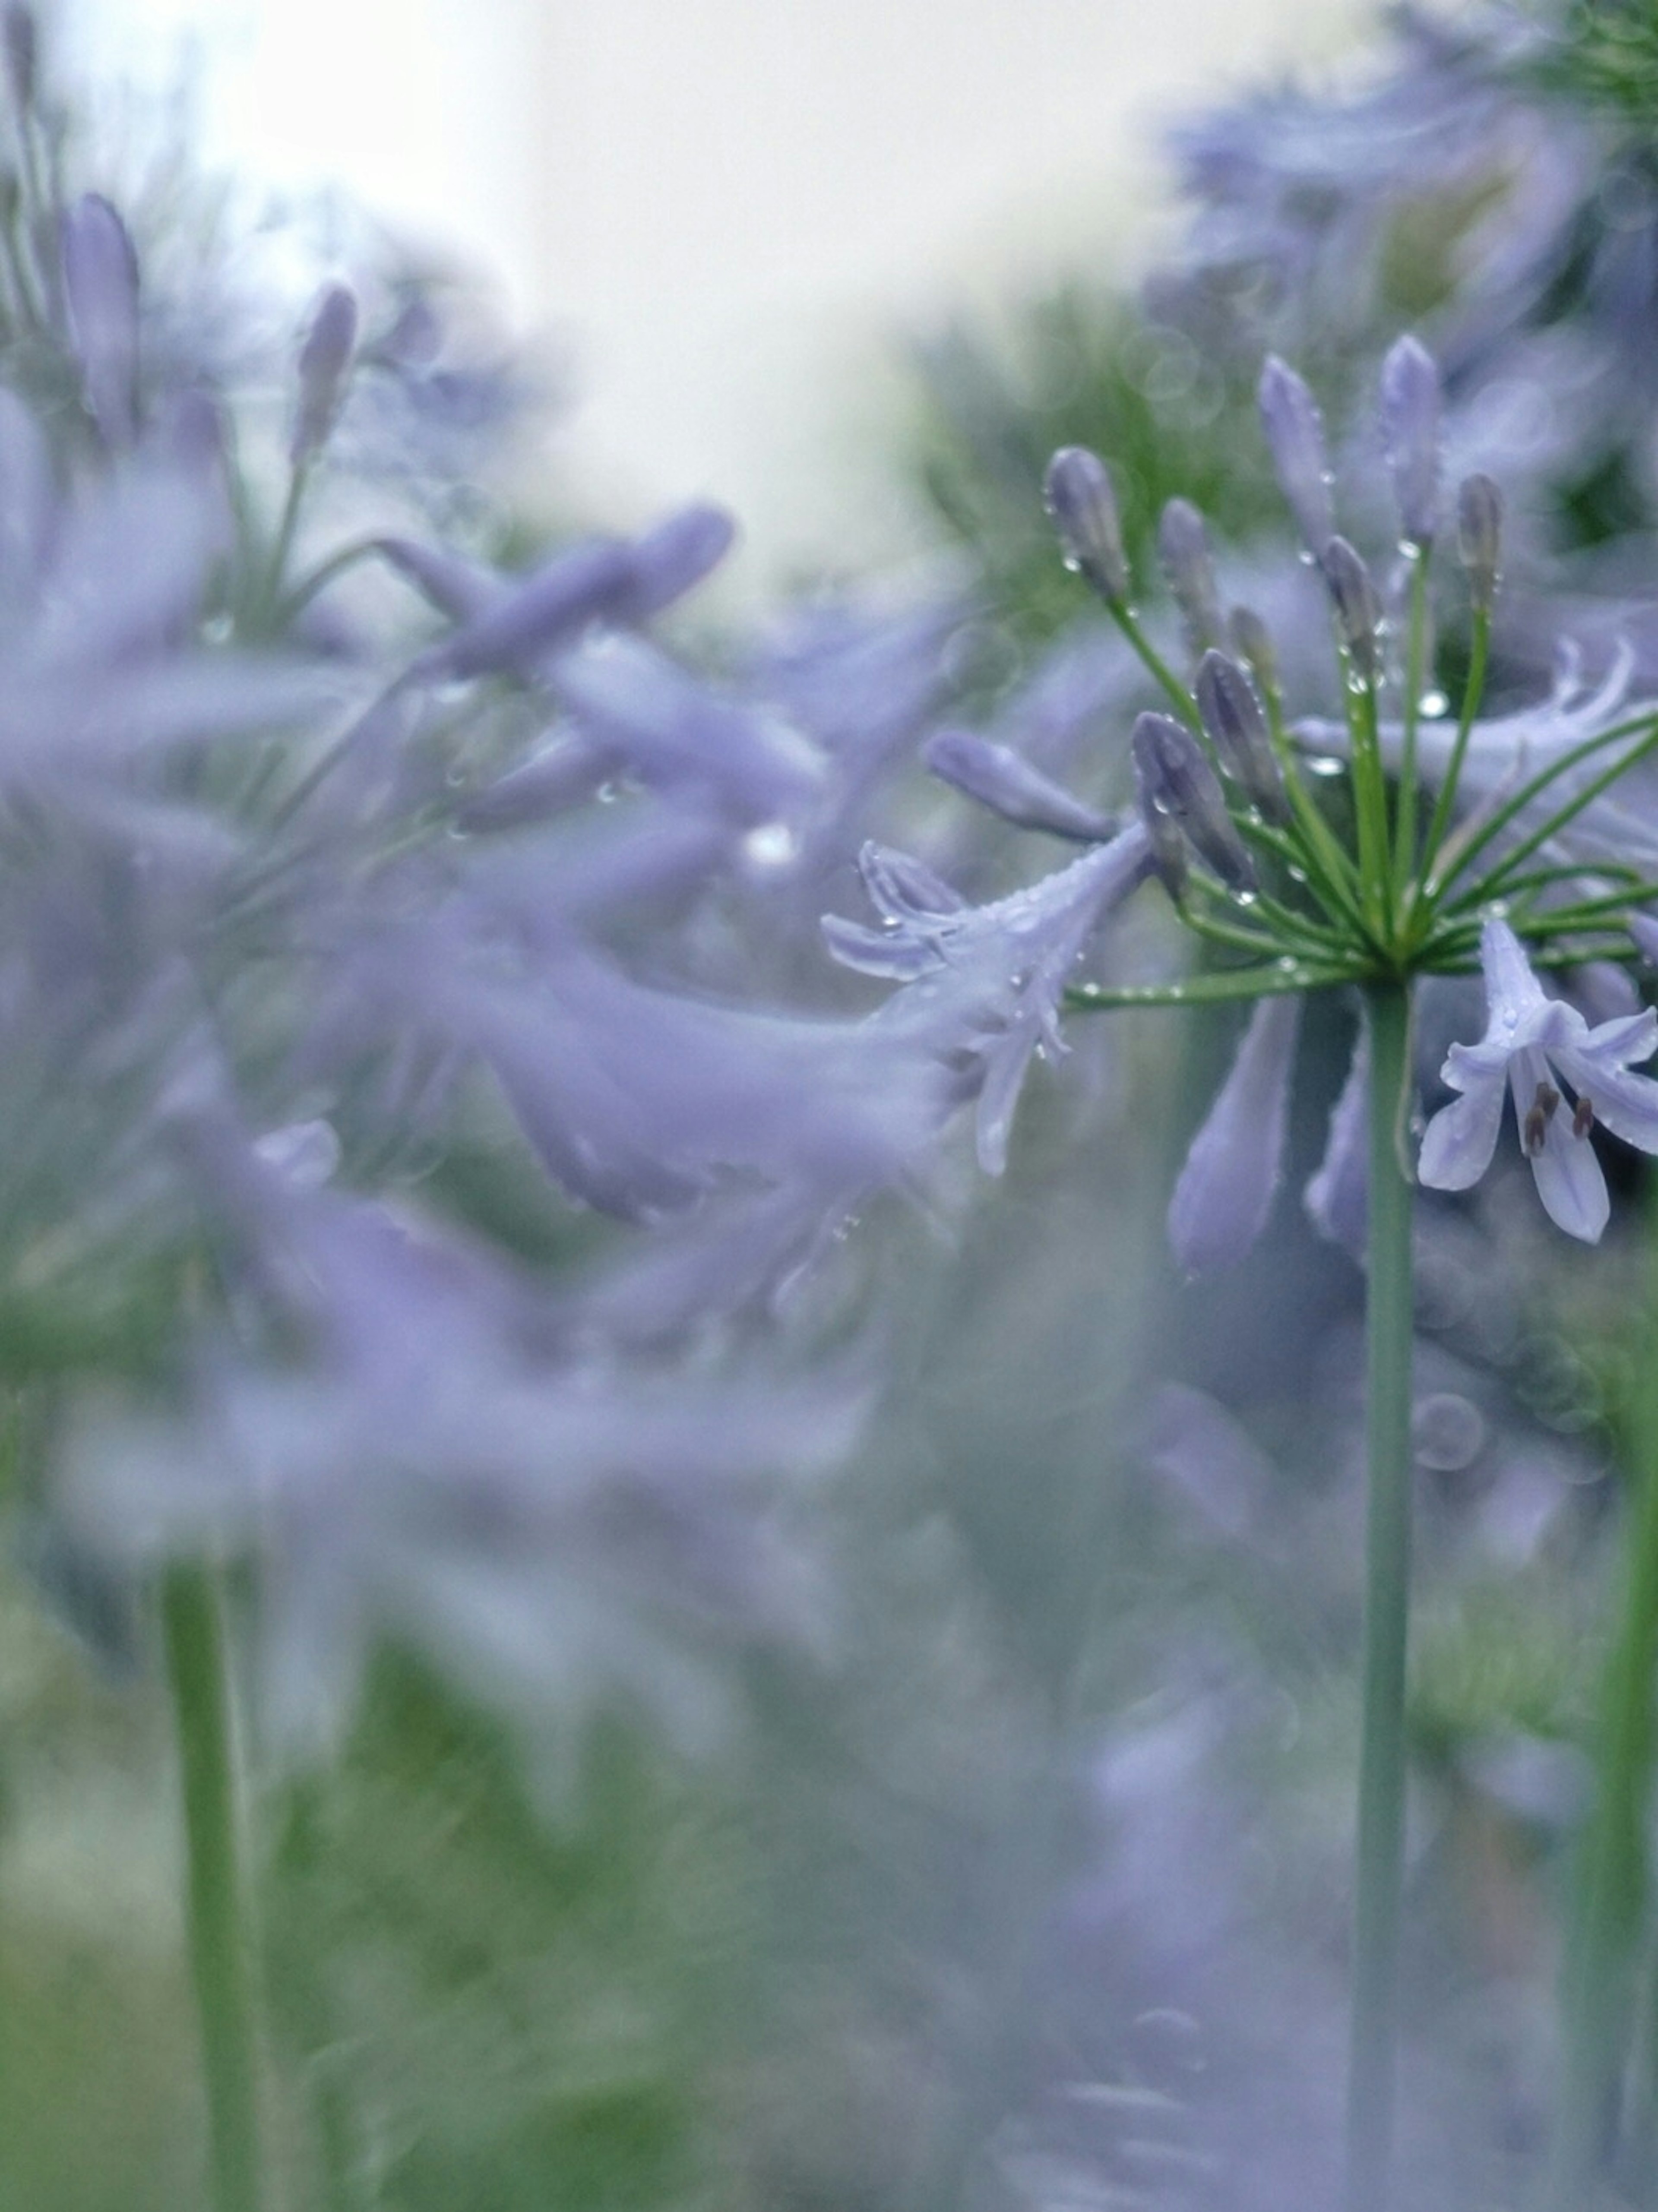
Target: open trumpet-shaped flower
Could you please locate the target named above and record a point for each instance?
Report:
(1541, 1048)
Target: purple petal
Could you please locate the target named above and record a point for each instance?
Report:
(1232, 1172)
(1338, 1198)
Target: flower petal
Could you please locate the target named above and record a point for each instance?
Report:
(1457, 1143)
(1570, 1182)
(1231, 1174)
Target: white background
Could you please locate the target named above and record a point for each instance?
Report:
(727, 207)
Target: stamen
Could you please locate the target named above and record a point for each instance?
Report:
(1583, 1116)
(1537, 1121)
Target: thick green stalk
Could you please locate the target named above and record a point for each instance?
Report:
(1612, 1878)
(1386, 1611)
(220, 1947)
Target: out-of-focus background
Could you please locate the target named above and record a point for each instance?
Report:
(722, 213)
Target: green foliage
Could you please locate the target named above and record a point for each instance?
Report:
(1081, 368)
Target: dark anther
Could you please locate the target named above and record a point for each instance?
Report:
(1583, 1116)
(1537, 1121)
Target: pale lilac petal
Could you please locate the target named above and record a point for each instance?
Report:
(1624, 1102)
(1512, 990)
(1338, 1196)
(1459, 1142)
(1570, 1182)
(1231, 1175)
(1644, 930)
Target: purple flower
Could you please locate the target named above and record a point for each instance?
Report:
(1564, 1076)
(1232, 1172)
(985, 983)
(552, 1533)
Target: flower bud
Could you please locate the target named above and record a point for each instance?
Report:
(1480, 538)
(1176, 782)
(1251, 643)
(1358, 611)
(22, 42)
(324, 360)
(1183, 547)
(1004, 781)
(1083, 509)
(1410, 420)
(101, 292)
(1294, 432)
(1236, 721)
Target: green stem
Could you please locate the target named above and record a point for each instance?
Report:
(220, 1952)
(1156, 666)
(1374, 2019)
(1610, 1891)
(1472, 692)
(1220, 983)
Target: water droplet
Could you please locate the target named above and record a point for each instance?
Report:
(1245, 897)
(1495, 910)
(1434, 704)
(1324, 764)
(1286, 965)
(1296, 875)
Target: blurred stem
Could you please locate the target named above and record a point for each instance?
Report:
(333, 2121)
(1387, 1612)
(1611, 1888)
(220, 1950)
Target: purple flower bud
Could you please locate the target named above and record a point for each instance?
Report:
(676, 555)
(100, 290)
(1294, 432)
(22, 55)
(1251, 642)
(1236, 721)
(1083, 509)
(1174, 781)
(324, 360)
(1358, 611)
(1183, 548)
(1480, 538)
(542, 612)
(1232, 1173)
(1005, 781)
(1410, 420)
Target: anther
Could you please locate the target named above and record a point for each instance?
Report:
(1583, 1116)
(1537, 1121)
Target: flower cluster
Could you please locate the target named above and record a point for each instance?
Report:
(1468, 836)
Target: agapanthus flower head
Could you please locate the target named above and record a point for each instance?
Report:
(1563, 1077)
